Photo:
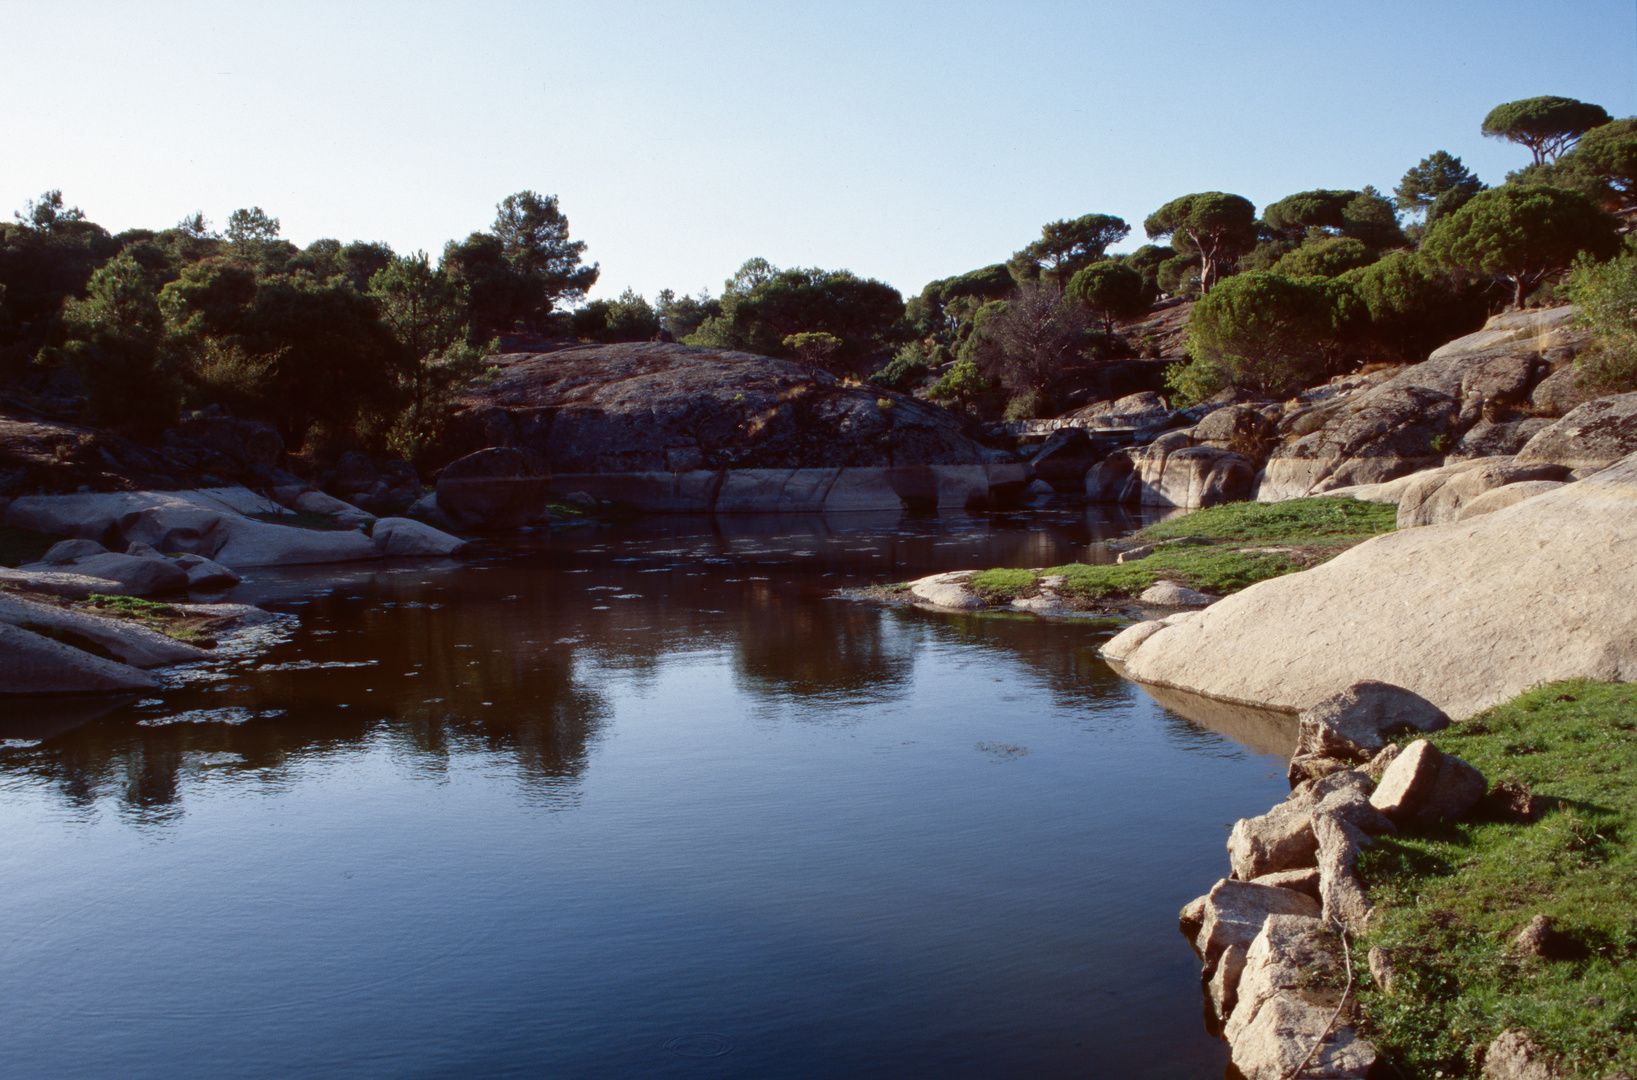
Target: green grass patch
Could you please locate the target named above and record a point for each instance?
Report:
(1453, 897)
(1298, 521)
(1219, 570)
(131, 607)
(1003, 586)
(19, 546)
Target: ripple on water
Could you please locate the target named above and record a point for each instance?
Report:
(700, 1044)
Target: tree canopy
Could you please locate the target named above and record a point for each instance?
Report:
(1607, 156)
(1213, 225)
(1111, 290)
(524, 266)
(1435, 175)
(1521, 235)
(860, 312)
(1065, 247)
(1261, 331)
(1329, 257)
(1293, 215)
(1546, 125)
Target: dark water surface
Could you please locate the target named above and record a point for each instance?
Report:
(634, 801)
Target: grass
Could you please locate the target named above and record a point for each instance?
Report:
(19, 546)
(130, 607)
(1318, 520)
(1453, 897)
(1314, 529)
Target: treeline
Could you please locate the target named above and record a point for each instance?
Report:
(353, 344)
(336, 344)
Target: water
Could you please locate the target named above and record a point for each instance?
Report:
(643, 801)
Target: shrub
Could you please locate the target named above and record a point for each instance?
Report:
(1607, 295)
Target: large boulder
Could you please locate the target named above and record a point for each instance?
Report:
(1465, 615)
(405, 536)
(1441, 494)
(32, 663)
(1502, 497)
(1235, 911)
(136, 575)
(495, 489)
(1412, 420)
(1593, 436)
(1172, 471)
(1423, 782)
(128, 641)
(1352, 726)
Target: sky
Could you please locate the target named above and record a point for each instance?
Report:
(902, 141)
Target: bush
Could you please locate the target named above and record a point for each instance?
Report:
(1262, 331)
(906, 370)
(1607, 295)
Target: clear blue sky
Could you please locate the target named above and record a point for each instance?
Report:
(903, 141)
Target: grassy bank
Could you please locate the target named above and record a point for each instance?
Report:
(1219, 550)
(1454, 897)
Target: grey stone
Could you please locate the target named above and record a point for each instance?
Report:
(1345, 901)
(1383, 970)
(66, 551)
(1236, 910)
(1423, 782)
(1592, 436)
(403, 536)
(33, 664)
(1305, 880)
(131, 642)
(1515, 1055)
(1354, 724)
(1170, 594)
(1502, 497)
(137, 575)
(495, 489)
(1440, 498)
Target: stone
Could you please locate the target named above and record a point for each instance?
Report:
(1222, 989)
(1281, 1013)
(1283, 838)
(1126, 641)
(1502, 497)
(1539, 938)
(1040, 487)
(1425, 783)
(31, 663)
(69, 586)
(1384, 757)
(1141, 551)
(1440, 499)
(354, 474)
(1169, 472)
(206, 573)
(1560, 393)
(1239, 428)
(248, 543)
(1283, 1033)
(1170, 594)
(1304, 880)
(66, 551)
(1356, 723)
(1515, 1055)
(1236, 910)
(1312, 766)
(403, 536)
(1592, 436)
(1465, 615)
(1192, 919)
(1502, 438)
(495, 489)
(345, 513)
(1389, 433)
(137, 575)
(947, 591)
(1345, 901)
(1382, 968)
(129, 641)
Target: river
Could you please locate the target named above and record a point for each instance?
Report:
(643, 800)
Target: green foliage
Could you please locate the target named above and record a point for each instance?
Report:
(1146, 261)
(116, 333)
(1263, 331)
(908, 368)
(517, 272)
(1026, 406)
(812, 349)
(1329, 256)
(1065, 247)
(1211, 569)
(130, 607)
(939, 309)
(1413, 306)
(1214, 226)
(249, 229)
(1371, 219)
(49, 214)
(629, 317)
(1434, 176)
(1450, 898)
(1546, 125)
(763, 306)
(962, 383)
(1605, 160)
(683, 315)
(1002, 585)
(1522, 235)
(1319, 520)
(1607, 295)
(1178, 275)
(1111, 290)
(1293, 215)
(1194, 381)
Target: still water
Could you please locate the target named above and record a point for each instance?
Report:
(635, 801)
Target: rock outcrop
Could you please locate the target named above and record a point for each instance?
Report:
(1592, 437)
(32, 663)
(1463, 401)
(1465, 615)
(1172, 471)
(1439, 495)
(668, 427)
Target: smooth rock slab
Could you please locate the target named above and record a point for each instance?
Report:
(137, 575)
(130, 641)
(33, 664)
(404, 536)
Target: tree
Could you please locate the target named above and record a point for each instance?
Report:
(1263, 331)
(1607, 156)
(48, 214)
(1522, 235)
(628, 317)
(1413, 306)
(1435, 175)
(426, 311)
(1546, 125)
(1028, 341)
(1370, 218)
(522, 268)
(1065, 247)
(1213, 225)
(248, 229)
(1147, 260)
(1293, 215)
(861, 312)
(683, 315)
(1111, 290)
(1327, 257)
(963, 382)
(114, 335)
(812, 350)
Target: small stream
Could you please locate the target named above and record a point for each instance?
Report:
(646, 800)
